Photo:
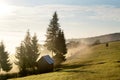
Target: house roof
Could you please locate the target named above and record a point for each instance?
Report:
(48, 59)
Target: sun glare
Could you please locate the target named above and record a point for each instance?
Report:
(5, 9)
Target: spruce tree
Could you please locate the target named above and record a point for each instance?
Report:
(51, 33)
(28, 53)
(35, 50)
(21, 59)
(61, 48)
(55, 40)
(28, 50)
(5, 64)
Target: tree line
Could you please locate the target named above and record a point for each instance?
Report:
(28, 51)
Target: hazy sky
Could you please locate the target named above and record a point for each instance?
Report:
(78, 18)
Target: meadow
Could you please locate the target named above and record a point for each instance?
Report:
(96, 62)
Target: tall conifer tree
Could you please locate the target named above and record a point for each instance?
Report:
(61, 48)
(21, 59)
(51, 33)
(55, 40)
(5, 64)
(35, 50)
(28, 53)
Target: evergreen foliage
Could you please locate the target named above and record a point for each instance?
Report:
(5, 64)
(28, 53)
(21, 58)
(61, 43)
(52, 33)
(55, 40)
(35, 49)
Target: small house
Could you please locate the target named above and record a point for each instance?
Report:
(45, 64)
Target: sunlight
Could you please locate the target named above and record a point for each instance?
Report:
(5, 9)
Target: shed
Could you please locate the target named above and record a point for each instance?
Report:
(45, 64)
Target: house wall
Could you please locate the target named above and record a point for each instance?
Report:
(43, 66)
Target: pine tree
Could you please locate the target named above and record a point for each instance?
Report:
(55, 40)
(35, 50)
(28, 53)
(51, 33)
(61, 48)
(5, 64)
(28, 50)
(21, 59)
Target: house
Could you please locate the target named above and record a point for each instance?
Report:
(45, 64)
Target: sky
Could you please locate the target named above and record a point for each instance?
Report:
(78, 18)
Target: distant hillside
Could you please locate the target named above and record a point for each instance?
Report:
(102, 39)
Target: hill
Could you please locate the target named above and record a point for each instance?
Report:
(96, 62)
(102, 39)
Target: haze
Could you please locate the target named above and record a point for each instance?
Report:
(77, 18)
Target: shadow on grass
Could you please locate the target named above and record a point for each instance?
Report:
(118, 61)
(101, 63)
(70, 68)
(74, 66)
(76, 71)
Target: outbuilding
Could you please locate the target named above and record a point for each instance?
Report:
(45, 64)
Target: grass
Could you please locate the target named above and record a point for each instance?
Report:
(98, 63)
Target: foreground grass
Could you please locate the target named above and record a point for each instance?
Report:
(99, 63)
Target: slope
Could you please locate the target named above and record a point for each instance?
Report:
(93, 63)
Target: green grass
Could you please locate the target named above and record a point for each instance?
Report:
(98, 63)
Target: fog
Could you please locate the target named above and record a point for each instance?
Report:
(76, 52)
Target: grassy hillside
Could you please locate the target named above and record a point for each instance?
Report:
(93, 63)
(102, 38)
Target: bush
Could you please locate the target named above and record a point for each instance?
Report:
(8, 76)
(96, 42)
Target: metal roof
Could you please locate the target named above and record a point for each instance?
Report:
(48, 59)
